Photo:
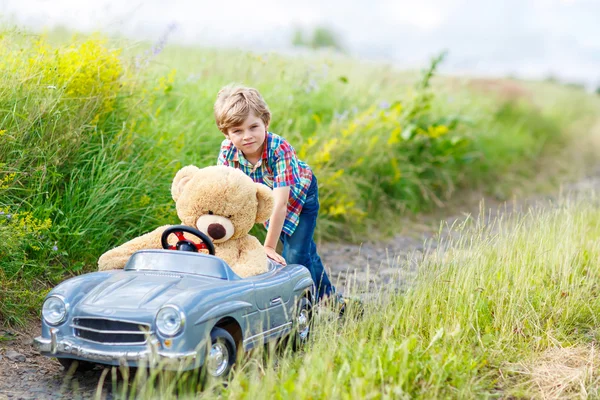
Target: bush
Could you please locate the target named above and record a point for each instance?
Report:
(321, 37)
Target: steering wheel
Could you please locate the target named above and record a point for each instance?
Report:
(184, 244)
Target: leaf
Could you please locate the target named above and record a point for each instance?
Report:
(450, 121)
(78, 266)
(343, 79)
(409, 132)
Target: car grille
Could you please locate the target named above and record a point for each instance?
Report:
(110, 331)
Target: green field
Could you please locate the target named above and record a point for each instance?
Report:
(510, 310)
(92, 131)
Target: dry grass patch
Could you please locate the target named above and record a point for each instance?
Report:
(558, 373)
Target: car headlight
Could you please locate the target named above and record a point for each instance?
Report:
(170, 320)
(55, 310)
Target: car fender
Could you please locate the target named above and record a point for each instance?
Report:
(223, 310)
(304, 284)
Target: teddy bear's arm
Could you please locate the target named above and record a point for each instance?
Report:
(252, 259)
(117, 258)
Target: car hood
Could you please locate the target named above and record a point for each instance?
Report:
(147, 290)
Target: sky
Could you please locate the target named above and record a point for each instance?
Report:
(524, 38)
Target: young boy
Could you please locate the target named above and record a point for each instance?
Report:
(243, 116)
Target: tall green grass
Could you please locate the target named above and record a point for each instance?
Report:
(92, 132)
(499, 300)
(67, 168)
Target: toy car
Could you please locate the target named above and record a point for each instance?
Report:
(177, 309)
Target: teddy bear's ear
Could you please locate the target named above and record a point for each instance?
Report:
(265, 202)
(181, 179)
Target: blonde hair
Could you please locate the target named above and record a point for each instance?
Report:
(235, 103)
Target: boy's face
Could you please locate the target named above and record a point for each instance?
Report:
(248, 137)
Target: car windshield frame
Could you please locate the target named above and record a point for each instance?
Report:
(183, 262)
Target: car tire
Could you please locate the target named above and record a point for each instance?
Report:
(221, 355)
(302, 323)
(81, 366)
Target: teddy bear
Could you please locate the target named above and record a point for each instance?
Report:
(221, 202)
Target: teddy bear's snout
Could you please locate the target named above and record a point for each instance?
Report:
(216, 231)
(217, 227)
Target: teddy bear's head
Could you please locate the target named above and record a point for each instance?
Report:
(220, 201)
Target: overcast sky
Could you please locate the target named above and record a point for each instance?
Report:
(528, 38)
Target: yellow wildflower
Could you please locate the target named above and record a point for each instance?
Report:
(338, 174)
(395, 136)
(437, 131)
(337, 209)
(4, 182)
(144, 200)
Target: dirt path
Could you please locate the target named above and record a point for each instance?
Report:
(24, 374)
(392, 264)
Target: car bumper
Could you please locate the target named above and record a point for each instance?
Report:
(150, 355)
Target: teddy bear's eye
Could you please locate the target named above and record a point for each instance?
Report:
(210, 212)
(229, 216)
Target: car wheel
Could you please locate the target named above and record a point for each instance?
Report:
(302, 323)
(81, 366)
(221, 355)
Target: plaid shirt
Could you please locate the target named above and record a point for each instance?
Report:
(278, 167)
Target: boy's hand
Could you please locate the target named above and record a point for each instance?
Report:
(272, 254)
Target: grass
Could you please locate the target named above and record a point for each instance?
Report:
(508, 310)
(92, 132)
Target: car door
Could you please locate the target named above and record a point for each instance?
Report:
(272, 292)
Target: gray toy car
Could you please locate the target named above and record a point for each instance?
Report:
(174, 309)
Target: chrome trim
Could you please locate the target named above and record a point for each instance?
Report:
(158, 273)
(181, 316)
(303, 322)
(218, 359)
(68, 348)
(276, 300)
(268, 332)
(67, 309)
(114, 319)
(113, 343)
(53, 340)
(84, 328)
(78, 320)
